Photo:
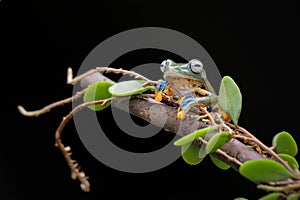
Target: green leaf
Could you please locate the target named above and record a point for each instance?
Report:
(264, 170)
(290, 159)
(217, 141)
(240, 198)
(97, 91)
(271, 196)
(230, 98)
(194, 135)
(219, 163)
(190, 152)
(294, 196)
(131, 87)
(283, 142)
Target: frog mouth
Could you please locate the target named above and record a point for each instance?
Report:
(172, 75)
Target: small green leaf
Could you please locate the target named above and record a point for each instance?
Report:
(230, 98)
(264, 170)
(219, 163)
(190, 153)
(271, 196)
(194, 135)
(294, 196)
(290, 159)
(240, 198)
(131, 87)
(217, 141)
(97, 91)
(283, 142)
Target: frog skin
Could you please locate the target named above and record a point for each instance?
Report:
(188, 83)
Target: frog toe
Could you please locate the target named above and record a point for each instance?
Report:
(158, 96)
(180, 114)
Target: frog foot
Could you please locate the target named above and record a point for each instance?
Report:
(180, 113)
(162, 88)
(185, 103)
(158, 96)
(189, 101)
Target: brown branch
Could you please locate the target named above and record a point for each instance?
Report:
(267, 149)
(75, 170)
(233, 152)
(50, 106)
(73, 81)
(141, 108)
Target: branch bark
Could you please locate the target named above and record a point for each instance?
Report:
(234, 153)
(152, 112)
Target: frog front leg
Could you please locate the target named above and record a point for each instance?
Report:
(162, 88)
(189, 101)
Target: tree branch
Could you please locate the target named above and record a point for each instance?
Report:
(234, 153)
(143, 108)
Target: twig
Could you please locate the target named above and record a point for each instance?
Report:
(203, 109)
(271, 152)
(219, 151)
(285, 188)
(50, 106)
(73, 81)
(267, 149)
(75, 170)
(224, 154)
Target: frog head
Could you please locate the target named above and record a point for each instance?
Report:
(191, 70)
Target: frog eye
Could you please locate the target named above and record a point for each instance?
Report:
(195, 66)
(164, 64)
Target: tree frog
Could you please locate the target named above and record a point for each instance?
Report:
(188, 83)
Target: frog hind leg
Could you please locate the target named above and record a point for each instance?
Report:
(189, 101)
(217, 109)
(203, 92)
(185, 103)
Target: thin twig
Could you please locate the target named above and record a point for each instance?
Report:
(244, 138)
(208, 115)
(75, 171)
(50, 106)
(286, 188)
(73, 81)
(219, 151)
(224, 154)
(268, 150)
(227, 127)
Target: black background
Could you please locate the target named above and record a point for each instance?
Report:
(257, 45)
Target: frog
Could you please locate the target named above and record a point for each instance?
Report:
(188, 83)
